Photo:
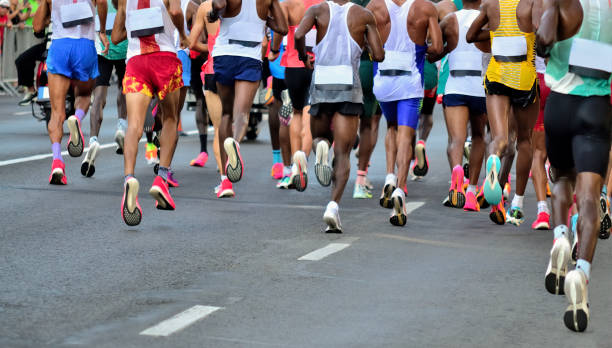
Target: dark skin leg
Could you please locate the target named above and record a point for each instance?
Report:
(403, 140)
(526, 119)
(59, 86)
(285, 145)
(477, 123)
(96, 117)
(345, 132)
(366, 145)
(562, 196)
(274, 123)
(391, 146)
(498, 108)
(538, 169)
(170, 119)
(425, 126)
(456, 118)
(508, 155)
(201, 117)
(588, 188)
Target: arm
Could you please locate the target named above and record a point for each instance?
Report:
(25, 15)
(102, 6)
(176, 15)
(561, 20)
(435, 33)
(300, 34)
(449, 35)
(476, 33)
(119, 32)
(277, 21)
(41, 17)
(218, 9)
(373, 39)
(199, 26)
(277, 38)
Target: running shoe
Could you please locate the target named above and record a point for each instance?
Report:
(385, 197)
(542, 222)
(606, 222)
(471, 203)
(284, 183)
(422, 163)
(130, 208)
(576, 317)
(368, 184)
(285, 113)
(172, 182)
(323, 170)
(27, 99)
(199, 161)
(446, 202)
(88, 167)
(234, 166)
(58, 173)
(467, 148)
(76, 140)
(277, 171)
(548, 193)
(515, 216)
(151, 154)
(398, 215)
(361, 192)
(498, 213)
(160, 191)
(507, 191)
(492, 190)
(482, 202)
(466, 170)
(557, 266)
(225, 189)
(119, 140)
(299, 175)
(456, 193)
(332, 218)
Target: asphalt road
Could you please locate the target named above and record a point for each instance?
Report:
(73, 274)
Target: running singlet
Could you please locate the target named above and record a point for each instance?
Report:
(581, 65)
(336, 71)
(207, 68)
(73, 19)
(513, 51)
(241, 35)
(290, 58)
(149, 28)
(465, 61)
(399, 75)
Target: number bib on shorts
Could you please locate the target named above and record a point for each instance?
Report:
(76, 14)
(145, 22)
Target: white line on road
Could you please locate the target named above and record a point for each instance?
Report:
(64, 153)
(324, 252)
(21, 113)
(180, 321)
(412, 206)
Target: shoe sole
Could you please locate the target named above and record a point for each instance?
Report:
(120, 140)
(555, 280)
(332, 225)
(88, 167)
(226, 194)
(398, 218)
(162, 202)
(497, 217)
(233, 168)
(456, 198)
(542, 226)
(606, 222)
(422, 167)
(492, 189)
(385, 200)
(131, 218)
(300, 182)
(576, 318)
(74, 149)
(56, 177)
(323, 171)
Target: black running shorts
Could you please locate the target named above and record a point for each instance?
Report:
(345, 108)
(578, 132)
(519, 98)
(298, 84)
(105, 67)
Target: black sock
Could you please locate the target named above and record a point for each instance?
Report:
(203, 140)
(149, 137)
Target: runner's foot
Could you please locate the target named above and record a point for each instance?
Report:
(576, 317)
(515, 216)
(88, 167)
(151, 154)
(542, 222)
(456, 194)
(119, 139)
(398, 215)
(161, 193)
(323, 171)
(226, 189)
(361, 192)
(76, 140)
(385, 197)
(199, 161)
(471, 203)
(58, 173)
(557, 266)
(130, 208)
(498, 213)
(277, 171)
(422, 163)
(234, 166)
(492, 190)
(606, 222)
(299, 173)
(332, 218)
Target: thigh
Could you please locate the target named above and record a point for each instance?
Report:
(345, 131)
(137, 105)
(244, 94)
(456, 121)
(591, 145)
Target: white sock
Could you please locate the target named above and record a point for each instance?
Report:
(517, 201)
(223, 177)
(286, 170)
(332, 206)
(473, 189)
(543, 207)
(561, 231)
(585, 266)
(93, 139)
(392, 178)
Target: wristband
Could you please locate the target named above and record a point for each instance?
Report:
(274, 51)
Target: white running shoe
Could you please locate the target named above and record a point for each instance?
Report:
(560, 255)
(332, 218)
(323, 170)
(299, 176)
(119, 140)
(88, 167)
(398, 215)
(388, 188)
(576, 317)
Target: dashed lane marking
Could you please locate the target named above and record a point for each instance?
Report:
(180, 321)
(324, 252)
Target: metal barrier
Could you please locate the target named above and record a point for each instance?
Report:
(15, 42)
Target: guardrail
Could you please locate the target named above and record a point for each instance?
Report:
(15, 42)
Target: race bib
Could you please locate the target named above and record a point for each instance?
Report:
(145, 22)
(110, 21)
(468, 61)
(333, 76)
(242, 33)
(590, 58)
(397, 61)
(76, 14)
(509, 49)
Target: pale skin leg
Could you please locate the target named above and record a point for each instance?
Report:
(58, 88)
(213, 103)
(137, 104)
(538, 169)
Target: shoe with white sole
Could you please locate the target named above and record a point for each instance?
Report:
(492, 189)
(234, 167)
(299, 174)
(119, 140)
(398, 215)
(387, 191)
(332, 218)
(130, 209)
(323, 170)
(576, 317)
(88, 167)
(560, 255)
(76, 140)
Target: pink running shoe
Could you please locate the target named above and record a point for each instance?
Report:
(172, 182)
(277, 171)
(58, 173)
(199, 161)
(471, 203)
(225, 189)
(542, 222)
(161, 193)
(422, 162)
(456, 193)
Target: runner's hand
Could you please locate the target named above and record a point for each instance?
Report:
(273, 56)
(309, 63)
(213, 16)
(185, 42)
(105, 42)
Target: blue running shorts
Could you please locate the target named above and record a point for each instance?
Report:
(76, 59)
(228, 69)
(402, 112)
(186, 61)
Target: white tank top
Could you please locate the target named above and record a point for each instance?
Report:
(177, 40)
(465, 61)
(149, 28)
(336, 71)
(241, 35)
(398, 76)
(73, 19)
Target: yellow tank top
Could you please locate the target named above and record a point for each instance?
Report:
(517, 75)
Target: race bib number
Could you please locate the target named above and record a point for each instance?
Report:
(469, 61)
(242, 33)
(76, 14)
(110, 21)
(397, 60)
(145, 22)
(334, 75)
(591, 58)
(509, 49)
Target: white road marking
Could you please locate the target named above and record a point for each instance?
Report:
(180, 321)
(412, 206)
(21, 113)
(64, 153)
(324, 252)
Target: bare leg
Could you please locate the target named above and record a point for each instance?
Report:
(403, 140)
(295, 131)
(244, 94)
(538, 170)
(213, 103)
(170, 118)
(525, 120)
(58, 87)
(477, 123)
(345, 131)
(456, 124)
(588, 188)
(226, 95)
(306, 134)
(274, 123)
(562, 196)
(391, 146)
(425, 126)
(498, 107)
(95, 122)
(137, 105)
